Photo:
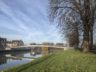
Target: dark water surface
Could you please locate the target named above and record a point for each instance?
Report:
(16, 58)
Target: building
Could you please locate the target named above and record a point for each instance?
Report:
(32, 43)
(15, 43)
(60, 44)
(3, 43)
(9, 44)
(47, 43)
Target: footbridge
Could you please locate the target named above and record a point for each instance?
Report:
(43, 48)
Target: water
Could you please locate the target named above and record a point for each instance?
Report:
(12, 59)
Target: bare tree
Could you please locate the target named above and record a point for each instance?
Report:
(73, 40)
(72, 31)
(84, 10)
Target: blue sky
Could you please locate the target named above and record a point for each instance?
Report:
(27, 20)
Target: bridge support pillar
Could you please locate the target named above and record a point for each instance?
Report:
(45, 49)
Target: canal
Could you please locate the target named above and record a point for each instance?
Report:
(18, 56)
(11, 59)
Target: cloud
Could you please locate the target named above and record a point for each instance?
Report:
(27, 19)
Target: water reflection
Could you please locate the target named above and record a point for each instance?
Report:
(16, 58)
(2, 59)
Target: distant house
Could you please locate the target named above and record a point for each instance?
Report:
(59, 44)
(32, 43)
(15, 43)
(47, 43)
(2, 43)
(9, 44)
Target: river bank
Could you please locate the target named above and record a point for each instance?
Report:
(67, 61)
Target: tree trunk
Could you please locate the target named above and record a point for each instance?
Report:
(86, 21)
(91, 39)
(86, 43)
(77, 39)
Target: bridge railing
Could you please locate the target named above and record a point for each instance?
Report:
(52, 46)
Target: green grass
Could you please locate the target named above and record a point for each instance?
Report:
(67, 61)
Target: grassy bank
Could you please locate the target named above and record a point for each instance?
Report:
(67, 61)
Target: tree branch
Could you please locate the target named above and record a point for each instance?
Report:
(58, 7)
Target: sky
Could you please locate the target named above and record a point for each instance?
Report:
(27, 20)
